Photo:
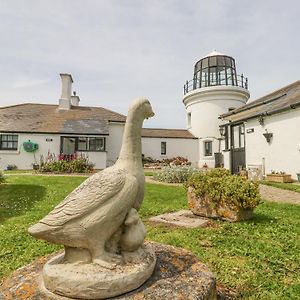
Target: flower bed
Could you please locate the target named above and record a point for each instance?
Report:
(76, 163)
(150, 163)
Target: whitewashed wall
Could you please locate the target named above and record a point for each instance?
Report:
(24, 160)
(188, 148)
(208, 160)
(98, 158)
(283, 153)
(114, 142)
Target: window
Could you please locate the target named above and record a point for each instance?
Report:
(82, 144)
(97, 144)
(208, 148)
(189, 119)
(8, 142)
(163, 148)
(70, 145)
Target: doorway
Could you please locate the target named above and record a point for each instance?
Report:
(238, 156)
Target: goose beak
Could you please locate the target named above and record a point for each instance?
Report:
(152, 114)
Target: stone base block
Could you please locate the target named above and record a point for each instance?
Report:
(178, 274)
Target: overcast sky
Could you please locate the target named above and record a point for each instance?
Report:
(118, 50)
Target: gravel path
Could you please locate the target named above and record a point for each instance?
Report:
(279, 195)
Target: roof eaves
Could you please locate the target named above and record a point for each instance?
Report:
(268, 113)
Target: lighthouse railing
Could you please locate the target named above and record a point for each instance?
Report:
(196, 83)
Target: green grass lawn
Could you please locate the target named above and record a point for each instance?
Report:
(18, 171)
(284, 186)
(259, 259)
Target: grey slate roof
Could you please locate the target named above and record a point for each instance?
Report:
(167, 133)
(285, 98)
(45, 118)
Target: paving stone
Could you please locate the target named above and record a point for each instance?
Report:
(182, 218)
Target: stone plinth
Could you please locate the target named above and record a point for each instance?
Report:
(203, 207)
(178, 275)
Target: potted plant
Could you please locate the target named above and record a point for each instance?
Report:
(218, 194)
(280, 176)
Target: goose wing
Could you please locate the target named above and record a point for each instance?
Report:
(92, 193)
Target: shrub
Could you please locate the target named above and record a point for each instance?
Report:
(66, 164)
(218, 186)
(176, 174)
(2, 179)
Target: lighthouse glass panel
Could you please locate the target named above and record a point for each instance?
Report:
(215, 70)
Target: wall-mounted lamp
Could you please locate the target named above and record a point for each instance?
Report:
(261, 120)
(268, 136)
(222, 131)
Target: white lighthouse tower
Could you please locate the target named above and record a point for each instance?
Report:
(214, 90)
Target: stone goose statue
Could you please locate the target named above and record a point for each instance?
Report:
(95, 212)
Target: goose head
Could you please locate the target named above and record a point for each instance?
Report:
(142, 108)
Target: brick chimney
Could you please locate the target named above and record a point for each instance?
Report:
(66, 89)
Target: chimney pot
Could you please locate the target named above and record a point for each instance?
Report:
(75, 100)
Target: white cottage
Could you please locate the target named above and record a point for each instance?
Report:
(264, 134)
(66, 128)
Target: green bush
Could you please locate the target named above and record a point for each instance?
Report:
(176, 174)
(78, 165)
(219, 186)
(2, 179)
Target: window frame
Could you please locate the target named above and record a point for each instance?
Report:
(210, 142)
(87, 138)
(163, 149)
(11, 140)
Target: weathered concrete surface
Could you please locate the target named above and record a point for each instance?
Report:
(178, 275)
(182, 218)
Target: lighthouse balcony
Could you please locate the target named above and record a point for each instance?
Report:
(212, 81)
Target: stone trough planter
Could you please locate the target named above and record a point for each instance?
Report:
(283, 178)
(203, 207)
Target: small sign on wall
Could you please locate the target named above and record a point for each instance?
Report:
(250, 130)
(49, 140)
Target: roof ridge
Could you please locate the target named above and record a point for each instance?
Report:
(271, 97)
(46, 104)
(166, 129)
